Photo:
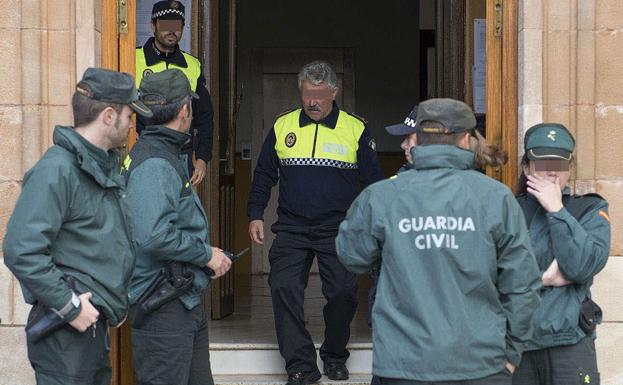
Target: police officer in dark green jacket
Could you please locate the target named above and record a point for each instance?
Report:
(458, 282)
(570, 237)
(68, 241)
(170, 344)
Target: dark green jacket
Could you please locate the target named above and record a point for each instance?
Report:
(458, 282)
(69, 221)
(167, 216)
(581, 247)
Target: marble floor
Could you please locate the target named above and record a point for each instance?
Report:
(252, 321)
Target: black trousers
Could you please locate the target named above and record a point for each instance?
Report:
(502, 378)
(291, 257)
(68, 357)
(171, 347)
(561, 365)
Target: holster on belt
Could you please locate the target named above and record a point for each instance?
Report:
(590, 316)
(46, 320)
(172, 282)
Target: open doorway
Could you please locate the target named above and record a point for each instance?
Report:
(387, 59)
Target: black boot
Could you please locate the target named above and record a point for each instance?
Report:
(303, 378)
(336, 371)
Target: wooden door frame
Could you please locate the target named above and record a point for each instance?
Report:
(118, 54)
(502, 86)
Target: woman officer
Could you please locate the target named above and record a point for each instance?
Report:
(570, 236)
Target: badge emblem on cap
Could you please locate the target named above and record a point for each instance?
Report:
(175, 4)
(290, 139)
(147, 72)
(552, 135)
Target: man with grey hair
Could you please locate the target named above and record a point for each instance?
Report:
(323, 157)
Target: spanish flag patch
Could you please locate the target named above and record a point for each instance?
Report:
(604, 215)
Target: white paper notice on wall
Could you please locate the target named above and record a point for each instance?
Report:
(143, 22)
(479, 69)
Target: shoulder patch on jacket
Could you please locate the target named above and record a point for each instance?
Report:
(363, 120)
(604, 215)
(579, 205)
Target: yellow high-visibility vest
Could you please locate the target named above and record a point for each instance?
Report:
(192, 72)
(324, 146)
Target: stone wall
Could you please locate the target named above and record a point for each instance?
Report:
(47, 45)
(570, 72)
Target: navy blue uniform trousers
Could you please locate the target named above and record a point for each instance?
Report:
(291, 257)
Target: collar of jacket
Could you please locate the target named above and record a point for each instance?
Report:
(153, 55)
(174, 140)
(101, 165)
(441, 156)
(329, 121)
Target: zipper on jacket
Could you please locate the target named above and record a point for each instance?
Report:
(315, 138)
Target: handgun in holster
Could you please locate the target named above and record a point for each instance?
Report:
(172, 282)
(46, 320)
(590, 316)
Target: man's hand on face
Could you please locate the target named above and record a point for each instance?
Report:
(199, 173)
(88, 314)
(256, 231)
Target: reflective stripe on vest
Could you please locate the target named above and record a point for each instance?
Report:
(334, 147)
(192, 72)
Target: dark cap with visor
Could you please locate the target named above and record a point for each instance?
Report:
(111, 87)
(454, 115)
(549, 141)
(165, 87)
(168, 10)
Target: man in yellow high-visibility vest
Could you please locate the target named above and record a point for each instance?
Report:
(162, 52)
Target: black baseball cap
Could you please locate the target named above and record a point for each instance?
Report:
(168, 10)
(405, 128)
(112, 87)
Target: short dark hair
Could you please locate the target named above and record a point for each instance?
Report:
(86, 110)
(429, 138)
(164, 113)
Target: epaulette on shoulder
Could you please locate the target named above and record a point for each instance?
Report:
(284, 113)
(362, 119)
(592, 195)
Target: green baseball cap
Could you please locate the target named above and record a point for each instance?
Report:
(454, 115)
(165, 87)
(111, 87)
(549, 141)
